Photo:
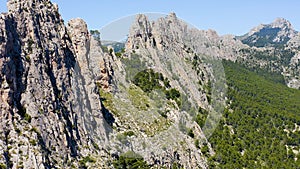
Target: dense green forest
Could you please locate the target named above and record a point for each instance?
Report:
(261, 126)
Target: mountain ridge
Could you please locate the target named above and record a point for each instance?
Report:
(278, 32)
(69, 102)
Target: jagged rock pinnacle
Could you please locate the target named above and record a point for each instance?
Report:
(26, 5)
(281, 23)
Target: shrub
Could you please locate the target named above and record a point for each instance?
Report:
(201, 116)
(30, 43)
(197, 144)
(2, 166)
(110, 51)
(172, 94)
(147, 80)
(105, 49)
(118, 54)
(32, 142)
(87, 159)
(122, 138)
(27, 57)
(205, 150)
(191, 133)
(95, 34)
(18, 131)
(27, 117)
(129, 133)
(130, 160)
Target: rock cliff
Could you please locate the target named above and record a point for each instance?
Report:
(50, 109)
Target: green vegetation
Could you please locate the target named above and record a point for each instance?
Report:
(121, 137)
(274, 59)
(34, 129)
(138, 98)
(108, 101)
(129, 133)
(172, 94)
(30, 43)
(175, 165)
(135, 108)
(95, 145)
(264, 38)
(110, 51)
(197, 143)
(27, 58)
(191, 133)
(2, 166)
(18, 131)
(205, 150)
(104, 48)
(133, 65)
(119, 53)
(130, 160)
(258, 129)
(85, 160)
(33, 142)
(201, 116)
(27, 117)
(208, 89)
(148, 80)
(95, 34)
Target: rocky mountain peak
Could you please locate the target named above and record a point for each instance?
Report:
(276, 33)
(140, 33)
(281, 23)
(18, 6)
(142, 24)
(79, 34)
(157, 34)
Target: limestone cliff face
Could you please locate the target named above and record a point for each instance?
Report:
(170, 47)
(50, 109)
(293, 69)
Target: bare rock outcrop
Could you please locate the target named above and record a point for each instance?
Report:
(50, 107)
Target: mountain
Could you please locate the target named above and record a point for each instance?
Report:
(171, 96)
(117, 46)
(275, 48)
(277, 33)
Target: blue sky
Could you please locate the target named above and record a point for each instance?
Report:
(226, 17)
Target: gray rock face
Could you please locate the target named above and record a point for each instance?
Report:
(50, 109)
(293, 70)
(169, 46)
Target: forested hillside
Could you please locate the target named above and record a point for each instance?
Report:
(261, 126)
